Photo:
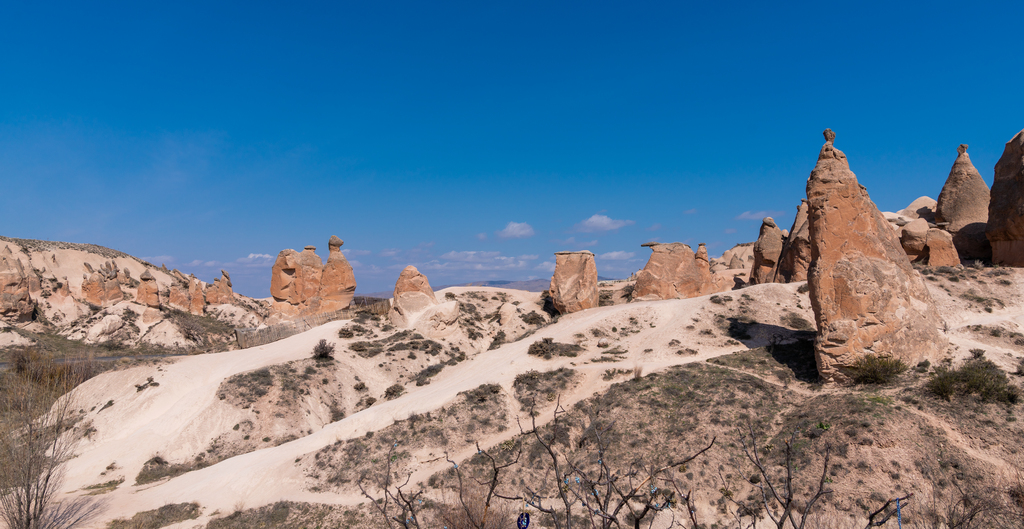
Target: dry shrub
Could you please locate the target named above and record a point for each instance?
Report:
(875, 369)
(471, 511)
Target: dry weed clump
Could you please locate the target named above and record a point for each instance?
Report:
(977, 376)
(547, 348)
(876, 369)
(157, 518)
(534, 387)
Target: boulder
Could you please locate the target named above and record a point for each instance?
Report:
(574, 283)
(866, 296)
(963, 204)
(674, 271)
(742, 255)
(1005, 228)
(337, 282)
(147, 293)
(220, 292)
(766, 252)
(921, 208)
(104, 328)
(941, 249)
(914, 240)
(412, 296)
(15, 301)
(439, 321)
(796, 251)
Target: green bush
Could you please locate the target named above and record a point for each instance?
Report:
(875, 369)
(976, 376)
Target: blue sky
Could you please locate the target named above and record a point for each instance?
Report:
(475, 139)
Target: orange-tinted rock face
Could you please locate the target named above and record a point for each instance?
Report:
(196, 298)
(866, 296)
(574, 283)
(337, 281)
(15, 302)
(914, 240)
(101, 287)
(412, 295)
(148, 291)
(796, 251)
(767, 250)
(963, 203)
(941, 250)
(220, 293)
(1006, 208)
(674, 271)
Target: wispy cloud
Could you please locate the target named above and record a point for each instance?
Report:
(690, 211)
(654, 227)
(515, 230)
(617, 256)
(356, 252)
(758, 215)
(481, 236)
(573, 243)
(730, 230)
(601, 223)
(477, 260)
(547, 266)
(389, 252)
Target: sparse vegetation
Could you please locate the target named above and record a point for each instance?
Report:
(976, 376)
(547, 348)
(394, 391)
(877, 369)
(323, 350)
(157, 518)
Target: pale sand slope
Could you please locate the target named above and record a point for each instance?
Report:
(176, 417)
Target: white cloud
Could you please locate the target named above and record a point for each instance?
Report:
(516, 230)
(356, 252)
(758, 215)
(481, 236)
(163, 259)
(601, 223)
(547, 266)
(617, 256)
(571, 241)
(476, 260)
(654, 227)
(389, 252)
(255, 260)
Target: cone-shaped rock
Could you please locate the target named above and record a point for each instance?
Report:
(796, 251)
(767, 250)
(866, 296)
(413, 295)
(337, 281)
(963, 203)
(574, 283)
(1006, 208)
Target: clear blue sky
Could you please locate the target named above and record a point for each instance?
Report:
(211, 136)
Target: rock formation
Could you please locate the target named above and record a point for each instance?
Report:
(914, 240)
(15, 302)
(736, 263)
(741, 254)
(413, 295)
(101, 287)
(796, 251)
(941, 248)
(766, 252)
(673, 272)
(921, 208)
(188, 296)
(574, 283)
(963, 203)
(220, 292)
(147, 293)
(337, 282)
(1006, 208)
(866, 296)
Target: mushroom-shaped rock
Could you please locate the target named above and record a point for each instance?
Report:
(963, 204)
(767, 250)
(796, 251)
(413, 295)
(574, 283)
(15, 301)
(337, 281)
(148, 293)
(1006, 208)
(866, 296)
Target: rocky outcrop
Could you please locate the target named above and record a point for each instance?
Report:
(337, 282)
(15, 301)
(941, 248)
(741, 254)
(674, 271)
(921, 208)
(736, 263)
(101, 287)
(188, 296)
(1006, 208)
(866, 296)
(412, 296)
(796, 251)
(574, 283)
(767, 250)
(220, 292)
(148, 292)
(914, 240)
(963, 204)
